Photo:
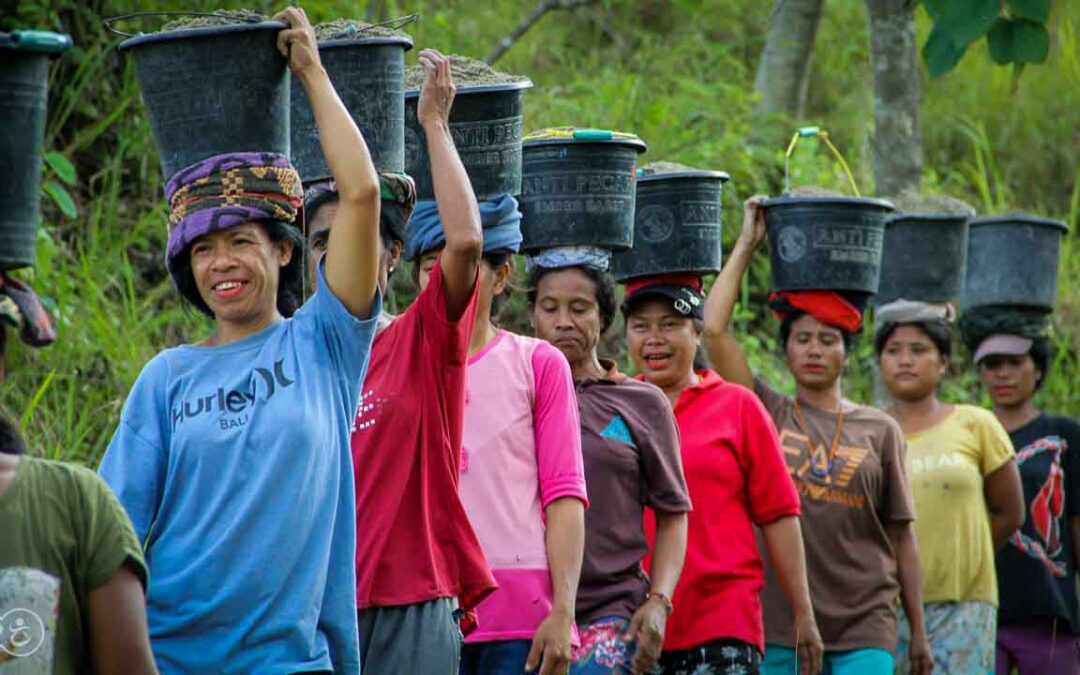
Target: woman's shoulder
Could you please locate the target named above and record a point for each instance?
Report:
(973, 414)
(876, 419)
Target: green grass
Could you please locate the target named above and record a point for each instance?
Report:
(679, 74)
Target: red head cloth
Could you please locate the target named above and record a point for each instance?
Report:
(685, 280)
(827, 307)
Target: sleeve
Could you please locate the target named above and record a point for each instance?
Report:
(1071, 436)
(770, 491)
(443, 336)
(896, 504)
(107, 539)
(557, 427)
(664, 485)
(136, 461)
(994, 442)
(773, 400)
(346, 339)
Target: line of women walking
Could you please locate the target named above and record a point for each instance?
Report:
(324, 487)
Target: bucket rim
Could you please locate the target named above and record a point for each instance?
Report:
(931, 217)
(482, 88)
(724, 176)
(381, 40)
(635, 143)
(1020, 218)
(199, 32)
(39, 42)
(794, 200)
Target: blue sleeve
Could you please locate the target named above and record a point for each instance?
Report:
(136, 460)
(346, 340)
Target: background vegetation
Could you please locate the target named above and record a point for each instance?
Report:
(679, 73)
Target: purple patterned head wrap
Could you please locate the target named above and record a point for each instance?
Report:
(229, 190)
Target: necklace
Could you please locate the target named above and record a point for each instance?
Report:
(820, 463)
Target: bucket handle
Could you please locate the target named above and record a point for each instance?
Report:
(823, 136)
(392, 24)
(36, 41)
(109, 21)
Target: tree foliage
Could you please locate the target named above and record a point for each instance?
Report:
(1016, 31)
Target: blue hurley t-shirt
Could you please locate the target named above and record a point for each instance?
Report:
(234, 465)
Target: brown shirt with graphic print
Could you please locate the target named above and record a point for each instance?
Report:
(847, 502)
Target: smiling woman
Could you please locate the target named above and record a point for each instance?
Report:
(737, 480)
(251, 425)
(266, 254)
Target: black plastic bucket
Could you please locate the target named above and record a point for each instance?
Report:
(1013, 260)
(923, 257)
(829, 243)
(24, 85)
(369, 76)
(579, 191)
(213, 90)
(485, 123)
(677, 226)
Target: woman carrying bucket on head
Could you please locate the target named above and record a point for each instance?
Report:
(630, 445)
(1038, 619)
(965, 486)
(522, 481)
(232, 454)
(847, 462)
(733, 465)
(418, 560)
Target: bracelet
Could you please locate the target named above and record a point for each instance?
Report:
(663, 598)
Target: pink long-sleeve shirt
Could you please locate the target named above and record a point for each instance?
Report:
(522, 451)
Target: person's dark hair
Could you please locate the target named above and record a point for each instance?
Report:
(393, 221)
(495, 260)
(1041, 353)
(290, 293)
(603, 283)
(936, 329)
(789, 321)
(11, 441)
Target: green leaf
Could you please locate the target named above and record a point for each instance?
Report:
(935, 8)
(61, 166)
(1000, 41)
(968, 20)
(1032, 42)
(1033, 10)
(940, 52)
(1018, 41)
(61, 197)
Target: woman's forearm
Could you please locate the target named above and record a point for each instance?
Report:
(723, 350)
(565, 544)
(907, 566)
(669, 551)
(783, 541)
(352, 257)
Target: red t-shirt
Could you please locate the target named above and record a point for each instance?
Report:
(737, 478)
(414, 542)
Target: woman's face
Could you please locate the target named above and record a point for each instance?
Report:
(662, 342)
(1010, 380)
(491, 280)
(567, 315)
(319, 224)
(815, 353)
(237, 271)
(911, 364)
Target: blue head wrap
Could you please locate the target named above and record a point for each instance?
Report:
(499, 217)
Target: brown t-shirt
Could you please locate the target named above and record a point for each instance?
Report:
(630, 444)
(850, 563)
